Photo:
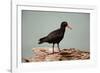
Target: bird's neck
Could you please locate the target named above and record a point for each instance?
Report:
(62, 29)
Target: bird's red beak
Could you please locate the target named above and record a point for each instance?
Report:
(69, 27)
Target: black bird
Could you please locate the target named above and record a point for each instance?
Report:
(55, 36)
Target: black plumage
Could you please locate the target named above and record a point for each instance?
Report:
(55, 36)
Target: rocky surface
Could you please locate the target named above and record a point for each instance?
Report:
(45, 54)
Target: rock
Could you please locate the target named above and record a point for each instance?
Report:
(45, 54)
(85, 55)
(40, 51)
(28, 59)
(53, 57)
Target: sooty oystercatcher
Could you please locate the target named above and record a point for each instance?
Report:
(55, 36)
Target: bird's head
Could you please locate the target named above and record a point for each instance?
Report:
(64, 25)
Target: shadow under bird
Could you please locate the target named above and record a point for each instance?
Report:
(55, 36)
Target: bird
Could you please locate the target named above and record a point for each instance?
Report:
(55, 36)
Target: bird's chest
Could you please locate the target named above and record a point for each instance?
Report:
(58, 38)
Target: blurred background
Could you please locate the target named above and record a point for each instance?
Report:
(37, 24)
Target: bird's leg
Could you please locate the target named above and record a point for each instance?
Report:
(53, 48)
(58, 47)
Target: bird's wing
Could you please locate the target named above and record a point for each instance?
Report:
(55, 34)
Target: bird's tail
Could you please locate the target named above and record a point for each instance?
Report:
(41, 40)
